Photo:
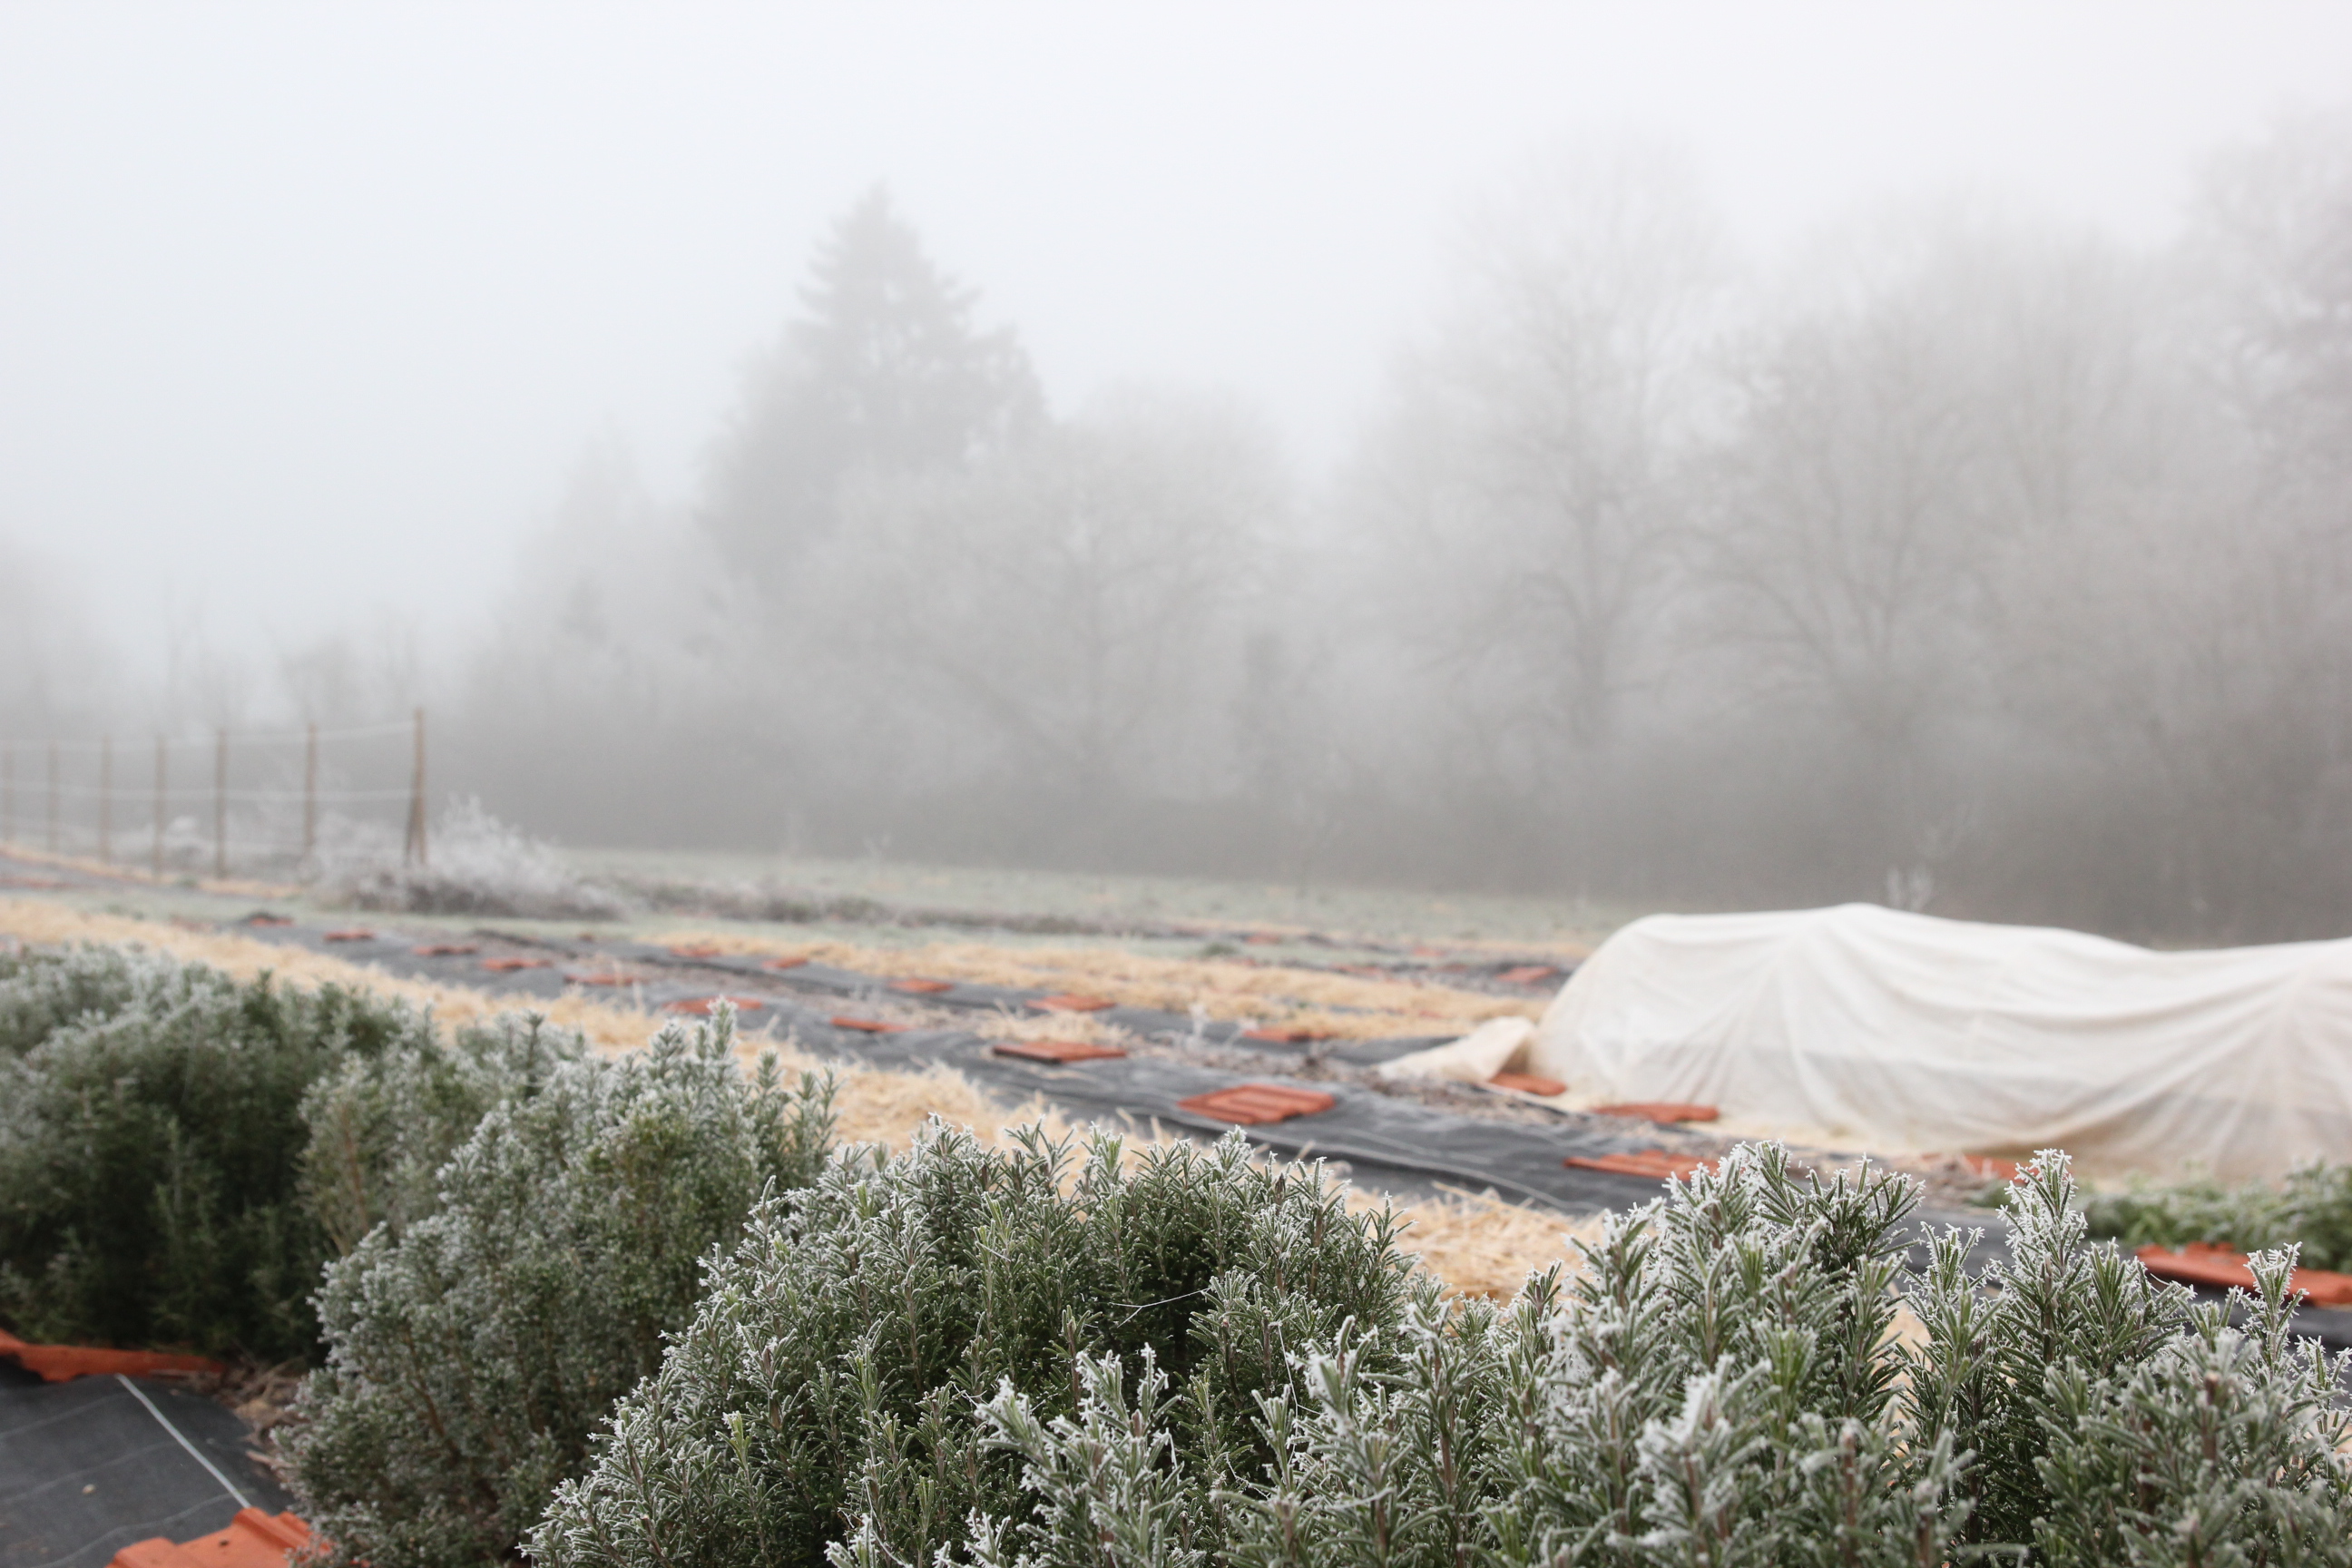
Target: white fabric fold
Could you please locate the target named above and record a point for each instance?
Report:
(1908, 1032)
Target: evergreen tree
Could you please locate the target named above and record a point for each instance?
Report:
(882, 375)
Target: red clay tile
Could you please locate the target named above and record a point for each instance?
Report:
(703, 1006)
(1990, 1167)
(445, 950)
(870, 1025)
(353, 933)
(1071, 1001)
(1528, 1083)
(270, 920)
(1055, 1050)
(1659, 1110)
(1530, 974)
(922, 987)
(2202, 1263)
(693, 951)
(1255, 1104)
(783, 963)
(252, 1540)
(508, 965)
(1281, 1036)
(1655, 1163)
(55, 1363)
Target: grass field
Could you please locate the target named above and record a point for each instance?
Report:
(1559, 927)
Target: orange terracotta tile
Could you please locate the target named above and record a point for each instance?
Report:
(1058, 1051)
(1257, 1104)
(1659, 1110)
(252, 1540)
(1528, 1083)
(55, 1363)
(703, 1006)
(1655, 1163)
(2217, 1267)
(1071, 1001)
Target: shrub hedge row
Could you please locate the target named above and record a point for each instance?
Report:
(2312, 1210)
(151, 1149)
(640, 1314)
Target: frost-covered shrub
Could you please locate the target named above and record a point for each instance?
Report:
(2312, 1209)
(473, 1350)
(832, 1381)
(478, 865)
(1719, 1385)
(152, 1148)
(41, 991)
(379, 1126)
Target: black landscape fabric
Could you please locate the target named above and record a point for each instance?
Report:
(91, 1466)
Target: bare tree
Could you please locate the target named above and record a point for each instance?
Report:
(1073, 603)
(1522, 489)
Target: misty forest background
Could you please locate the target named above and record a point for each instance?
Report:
(1962, 559)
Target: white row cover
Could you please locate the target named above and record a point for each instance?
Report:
(1870, 1028)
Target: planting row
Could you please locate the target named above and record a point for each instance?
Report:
(641, 1313)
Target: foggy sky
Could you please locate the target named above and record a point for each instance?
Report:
(306, 312)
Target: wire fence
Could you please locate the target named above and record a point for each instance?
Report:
(248, 800)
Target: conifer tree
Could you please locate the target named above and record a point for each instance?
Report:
(883, 374)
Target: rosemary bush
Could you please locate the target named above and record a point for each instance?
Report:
(380, 1125)
(2312, 1209)
(39, 992)
(1719, 1385)
(473, 1347)
(151, 1146)
(832, 1382)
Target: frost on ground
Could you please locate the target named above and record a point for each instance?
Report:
(477, 866)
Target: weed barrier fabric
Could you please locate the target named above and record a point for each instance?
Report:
(1391, 1144)
(1384, 1143)
(91, 1466)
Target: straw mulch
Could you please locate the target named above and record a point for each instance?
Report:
(1345, 1006)
(1478, 1245)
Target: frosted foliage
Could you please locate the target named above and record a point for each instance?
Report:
(152, 1145)
(471, 1352)
(830, 1384)
(476, 865)
(1719, 1384)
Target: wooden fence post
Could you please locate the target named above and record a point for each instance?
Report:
(310, 793)
(220, 802)
(158, 808)
(413, 847)
(106, 800)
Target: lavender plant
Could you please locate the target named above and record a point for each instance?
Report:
(1720, 1384)
(825, 1403)
(473, 1348)
(2310, 1210)
(151, 1148)
(381, 1126)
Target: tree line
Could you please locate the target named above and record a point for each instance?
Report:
(1960, 559)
